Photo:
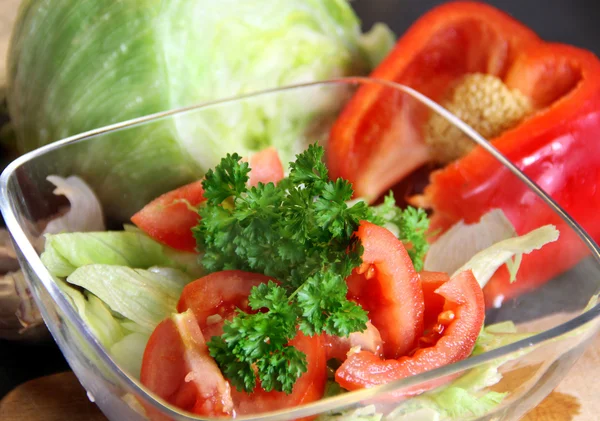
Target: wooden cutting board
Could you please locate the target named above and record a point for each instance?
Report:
(60, 397)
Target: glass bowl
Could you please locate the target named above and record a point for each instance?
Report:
(564, 312)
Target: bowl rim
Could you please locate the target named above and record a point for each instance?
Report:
(339, 402)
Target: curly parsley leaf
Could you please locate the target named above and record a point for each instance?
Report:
(228, 179)
(410, 226)
(325, 308)
(299, 232)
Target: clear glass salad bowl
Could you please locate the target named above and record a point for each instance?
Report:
(564, 312)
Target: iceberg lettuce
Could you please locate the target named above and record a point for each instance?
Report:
(139, 295)
(66, 252)
(77, 65)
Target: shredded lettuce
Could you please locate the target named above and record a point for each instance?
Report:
(462, 241)
(510, 251)
(125, 340)
(142, 296)
(366, 413)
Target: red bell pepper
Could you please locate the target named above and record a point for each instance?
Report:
(557, 146)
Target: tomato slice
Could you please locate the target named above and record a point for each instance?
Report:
(461, 321)
(309, 387)
(177, 367)
(169, 219)
(389, 288)
(215, 297)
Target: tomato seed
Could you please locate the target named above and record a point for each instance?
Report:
(446, 317)
(370, 272)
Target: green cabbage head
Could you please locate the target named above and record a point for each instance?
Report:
(76, 65)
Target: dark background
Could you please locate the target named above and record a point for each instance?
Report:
(575, 22)
(570, 21)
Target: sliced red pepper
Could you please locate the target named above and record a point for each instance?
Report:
(556, 146)
(388, 287)
(460, 323)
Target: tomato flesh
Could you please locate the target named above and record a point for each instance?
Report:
(464, 299)
(177, 367)
(369, 340)
(434, 303)
(214, 298)
(220, 294)
(169, 219)
(389, 288)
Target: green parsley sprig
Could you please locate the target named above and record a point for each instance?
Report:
(299, 232)
(410, 226)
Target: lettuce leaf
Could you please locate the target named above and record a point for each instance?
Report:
(510, 251)
(64, 253)
(142, 296)
(96, 315)
(129, 352)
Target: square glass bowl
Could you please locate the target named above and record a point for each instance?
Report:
(177, 146)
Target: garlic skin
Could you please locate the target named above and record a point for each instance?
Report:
(20, 318)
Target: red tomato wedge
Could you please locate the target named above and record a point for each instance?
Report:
(266, 167)
(309, 387)
(389, 288)
(215, 297)
(169, 219)
(461, 320)
(177, 367)
(434, 303)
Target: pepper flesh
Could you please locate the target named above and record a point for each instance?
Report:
(556, 146)
(367, 145)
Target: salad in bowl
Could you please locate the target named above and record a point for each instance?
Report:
(268, 289)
